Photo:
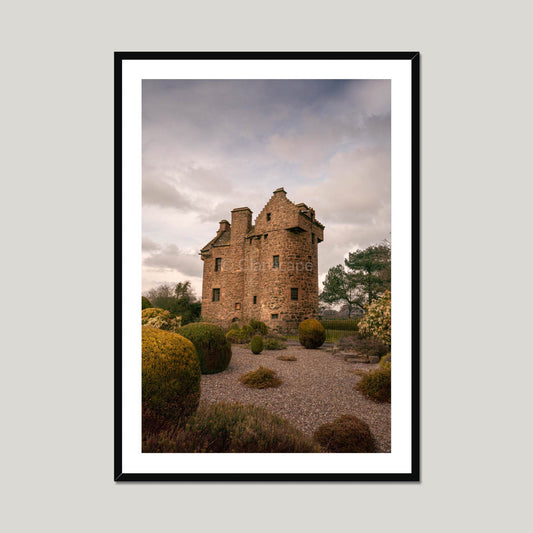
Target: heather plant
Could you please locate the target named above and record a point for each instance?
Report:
(262, 378)
(212, 346)
(369, 346)
(257, 344)
(286, 358)
(346, 434)
(311, 333)
(376, 385)
(232, 428)
(160, 319)
(377, 320)
(170, 379)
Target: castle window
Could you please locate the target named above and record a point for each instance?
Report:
(266, 237)
(216, 295)
(255, 300)
(294, 294)
(269, 217)
(237, 307)
(275, 261)
(218, 264)
(313, 238)
(274, 316)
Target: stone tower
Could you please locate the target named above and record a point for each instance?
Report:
(267, 271)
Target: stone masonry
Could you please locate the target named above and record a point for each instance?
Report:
(267, 271)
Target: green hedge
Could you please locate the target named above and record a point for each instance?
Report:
(214, 349)
(349, 324)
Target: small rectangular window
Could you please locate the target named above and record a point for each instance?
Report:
(274, 316)
(216, 295)
(275, 261)
(218, 264)
(266, 236)
(237, 307)
(313, 238)
(294, 294)
(255, 300)
(269, 216)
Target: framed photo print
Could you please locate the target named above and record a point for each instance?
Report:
(267, 266)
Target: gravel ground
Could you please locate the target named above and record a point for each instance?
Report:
(315, 389)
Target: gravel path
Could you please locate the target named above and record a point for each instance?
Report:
(315, 389)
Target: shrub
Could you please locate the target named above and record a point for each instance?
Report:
(259, 327)
(234, 325)
(262, 378)
(347, 434)
(237, 336)
(286, 358)
(364, 345)
(248, 330)
(377, 320)
(212, 346)
(160, 319)
(274, 342)
(376, 385)
(234, 428)
(170, 379)
(257, 344)
(385, 362)
(311, 333)
(146, 303)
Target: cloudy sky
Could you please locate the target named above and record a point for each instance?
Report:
(210, 146)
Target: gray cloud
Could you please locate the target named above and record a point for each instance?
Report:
(173, 259)
(210, 146)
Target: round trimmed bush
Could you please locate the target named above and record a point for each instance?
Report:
(170, 379)
(347, 434)
(232, 428)
(237, 336)
(311, 333)
(257, 344)
(146, 303)
(212, 346)
(376, 385)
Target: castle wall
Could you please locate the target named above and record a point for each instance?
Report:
(248, 270)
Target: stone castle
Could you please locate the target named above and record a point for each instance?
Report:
(267, 271)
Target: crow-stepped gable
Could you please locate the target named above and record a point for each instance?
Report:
(267, 271)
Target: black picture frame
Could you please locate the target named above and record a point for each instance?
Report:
(414, 58)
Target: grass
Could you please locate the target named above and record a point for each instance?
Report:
(262, 378)
(332, 335)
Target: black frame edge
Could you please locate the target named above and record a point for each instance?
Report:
(414, 475)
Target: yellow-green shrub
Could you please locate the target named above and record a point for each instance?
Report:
(376, 385)
(385, 362)
(212, 346)
(259, 327)
(311, 333)
(232, 428)
(160, 319)
(237, 336)
(170, 379)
